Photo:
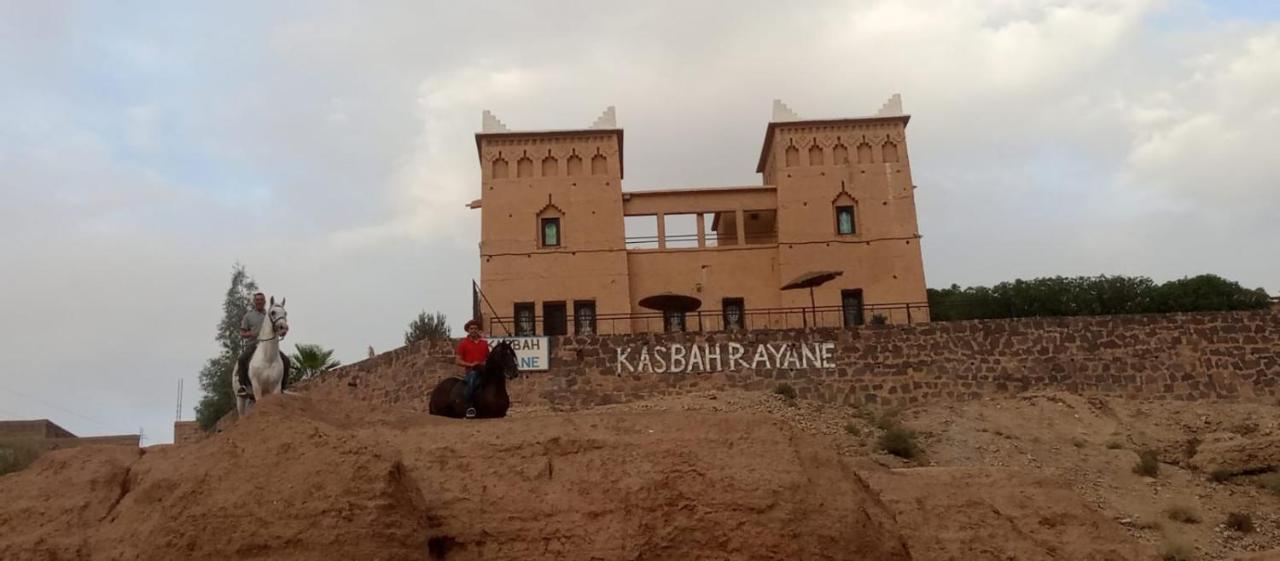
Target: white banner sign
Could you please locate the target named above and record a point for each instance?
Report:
(532, 353)
(717, 357)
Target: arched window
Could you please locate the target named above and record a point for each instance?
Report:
(550, 227)
(815, 155)
(846, 215)
(575, 165)
(500, 168)
(550, 167)
(839, 155)
(864, 153)
(793, 156)
(889, 152)
(524, 167)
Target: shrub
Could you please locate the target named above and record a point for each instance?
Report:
(1148, 464)
(1182, 513)
(1219, 475)
(17, 454)
(852, 429)
(900, 442)
(888, 419)
(1270, 482)
(1239, 522)
(1192, 446)
(785, 390)
(1175, 551)
(879, 320)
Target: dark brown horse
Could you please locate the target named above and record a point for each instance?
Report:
(491, 400)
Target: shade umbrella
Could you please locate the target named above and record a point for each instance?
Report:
(810, 280)
(671, 302)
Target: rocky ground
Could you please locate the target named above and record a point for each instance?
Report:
(712, 475)
(1088, 446)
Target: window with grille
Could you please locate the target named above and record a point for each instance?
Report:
(733, 310)
(584, 317)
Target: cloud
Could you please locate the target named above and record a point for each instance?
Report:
(432, 183)
(1209, 142)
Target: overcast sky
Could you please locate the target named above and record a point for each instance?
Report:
(147, 147)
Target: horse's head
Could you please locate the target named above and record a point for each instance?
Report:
(502, 358)
(278, 316)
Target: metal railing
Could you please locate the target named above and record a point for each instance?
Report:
(690, 241)
(713, 320)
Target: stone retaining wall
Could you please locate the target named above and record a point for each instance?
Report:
(1233, 355)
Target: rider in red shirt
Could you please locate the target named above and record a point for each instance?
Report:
(472, 352)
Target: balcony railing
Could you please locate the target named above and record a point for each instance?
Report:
(712, 320)
(690, 241)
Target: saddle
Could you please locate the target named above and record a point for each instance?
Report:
(459, 391)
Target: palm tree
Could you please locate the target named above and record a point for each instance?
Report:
(309, 361)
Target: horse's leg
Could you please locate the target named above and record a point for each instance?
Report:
(255, 380)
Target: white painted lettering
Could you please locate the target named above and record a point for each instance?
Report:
(661, 360)
(793, 358)
(761, 359)
(622, 360)
(678, 363)
(713, 354)
(777, 354)
(695, 359)
(645, 365)
(736, 350)
(811, 356)
(828, 352)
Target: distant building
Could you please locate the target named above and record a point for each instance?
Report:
(49, 436)
(565, 250)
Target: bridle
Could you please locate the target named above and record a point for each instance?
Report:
(275, 328)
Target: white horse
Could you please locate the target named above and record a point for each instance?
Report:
(266, 370)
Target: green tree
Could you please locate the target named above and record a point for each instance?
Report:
(215, 377)
(309, 361)
(432, 327)
(1101, 295)
(1208, 293)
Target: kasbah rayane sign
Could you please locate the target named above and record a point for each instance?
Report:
(725, 357)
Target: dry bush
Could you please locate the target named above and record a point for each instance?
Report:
(900, 442)
(1239, 522)
(1176, 551)
(1148, 464)
(1182, 513)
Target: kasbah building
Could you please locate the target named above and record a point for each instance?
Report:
(828, 239)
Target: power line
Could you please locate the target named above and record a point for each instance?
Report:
(101, 425)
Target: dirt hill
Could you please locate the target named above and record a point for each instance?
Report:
(714, 475)
(306, 479)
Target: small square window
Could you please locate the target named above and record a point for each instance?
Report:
(525, 321)
(673, 321)
(584, 317)
(554, 320)
(844, 220)
(550, 232)
(851, 305)
(733, 308)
